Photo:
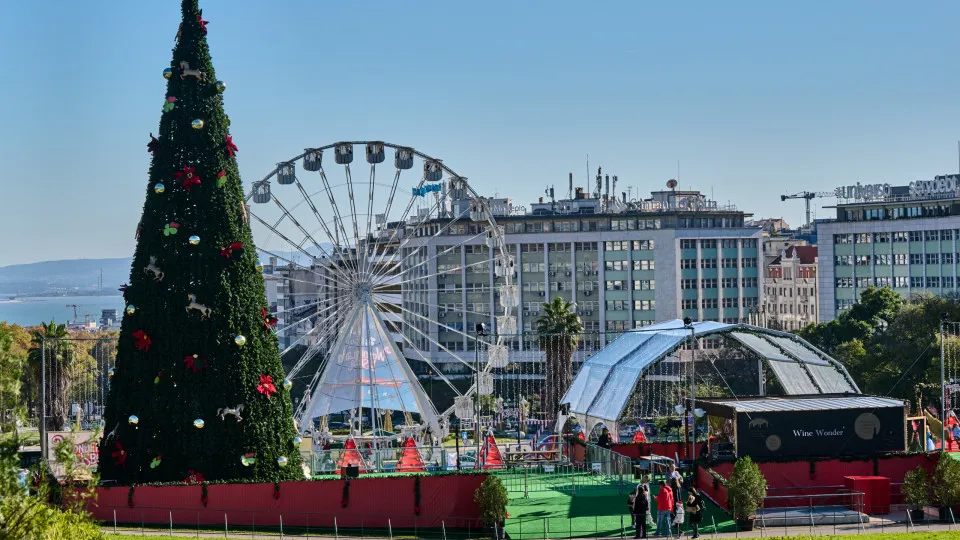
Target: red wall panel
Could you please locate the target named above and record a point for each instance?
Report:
(446, 500)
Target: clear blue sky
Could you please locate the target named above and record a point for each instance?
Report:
(754, 99)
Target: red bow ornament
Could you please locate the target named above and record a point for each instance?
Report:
(141, 341)
(188, 177)
(266, 386)
(268, 320)
(231, 148)
(119, 455)
(228, 251)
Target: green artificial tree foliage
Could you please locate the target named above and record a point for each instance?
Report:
(194, 288)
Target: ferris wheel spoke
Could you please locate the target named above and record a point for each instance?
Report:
(401, 223)
(296, 223)
(386, 214)
(311, 351)
(298, 322)
(435, 257)
(426, 276)
(338, 218)
(450, 328)
(323, 224)
(427, 360)
(390, 268)
(286, 239)
(353, 218)
(297, 265)
(369, 232)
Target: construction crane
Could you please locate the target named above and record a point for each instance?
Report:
(807, 196)
(74, 306)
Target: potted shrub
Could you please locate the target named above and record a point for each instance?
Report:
(491, 499)
(946, 487)
(916, 492)
(746, 489)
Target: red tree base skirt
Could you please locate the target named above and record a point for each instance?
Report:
(445, 501)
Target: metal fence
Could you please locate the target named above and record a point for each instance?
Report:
(70, 386)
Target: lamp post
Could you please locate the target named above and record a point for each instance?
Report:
(688, 323)
(481, 331)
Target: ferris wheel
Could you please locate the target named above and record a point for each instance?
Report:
(381, 279)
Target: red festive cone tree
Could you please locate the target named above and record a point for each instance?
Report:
(350, 456)
(490, 454)
(410, 458)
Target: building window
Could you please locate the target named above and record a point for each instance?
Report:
(749, 283)
(916, 281)
(617, 305)
(842, 238)
(946, 235)
(623, 225)
(688, 284)
(729, 283)
(843, 260)
(646, 305)
(933, 258)
(688, 244)
(750, 243)
(731, 302)
(689, 303)
(688, 264)
(728, 243)
(709, 303)
(916, 236)
(883, 282)
(844, 282)
(616, 265)
(931, 235)
(708, 263)
(899, 258)
(643, 285)
(916, 258)
(863, 238)
(882, 238)
(642, 245)
(643, 265)
(947, 282)
(708, 244)
(585, 246)
(900, 281)
(616, 245)
(862, 260)
(946, 258)
(748, 262)
(864, 282)
(708, 283)
(900, 237)
(750, 301)
(615, 285)
(933, 282)
(728, 263)
(882, 258)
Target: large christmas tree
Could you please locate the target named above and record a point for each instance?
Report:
(198, 391)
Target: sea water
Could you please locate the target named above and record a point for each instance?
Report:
(31, 311)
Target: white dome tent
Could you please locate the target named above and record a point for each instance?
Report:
(607, 381)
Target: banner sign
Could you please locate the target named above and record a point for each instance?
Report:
(84, 447)
(827, 433)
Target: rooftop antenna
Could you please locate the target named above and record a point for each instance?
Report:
(614, 190)
(678, 170)
(588, 171)
(570, 191)
(599, 190)
(630, 193)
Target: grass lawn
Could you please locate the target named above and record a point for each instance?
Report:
(595, 510)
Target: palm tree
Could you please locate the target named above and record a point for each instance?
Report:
(59, 360)
(558, 331)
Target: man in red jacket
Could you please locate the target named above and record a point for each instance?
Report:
(665, 504)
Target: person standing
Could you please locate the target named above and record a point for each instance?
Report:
(676, 481)
(695, 510)
(641, 508)
(604, 441)
(665, 506)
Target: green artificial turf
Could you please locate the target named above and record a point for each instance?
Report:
(596, 508)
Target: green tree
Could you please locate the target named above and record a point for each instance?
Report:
(559, 330)
(194, 339)
(62, 366)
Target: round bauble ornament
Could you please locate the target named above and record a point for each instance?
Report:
(240, 340)
(287, 384)
(194, 240)
(282, 461)
(167, 73)
(259, 266)
(221, 86)
(130, 309)
(197, 124)
(110, 372)
(159, 188)
(133, 420)
(198, 423)
(297, 440)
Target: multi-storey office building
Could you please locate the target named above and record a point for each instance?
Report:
(623, 265)
(903, 237)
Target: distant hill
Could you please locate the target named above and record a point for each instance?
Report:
(66, 276)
